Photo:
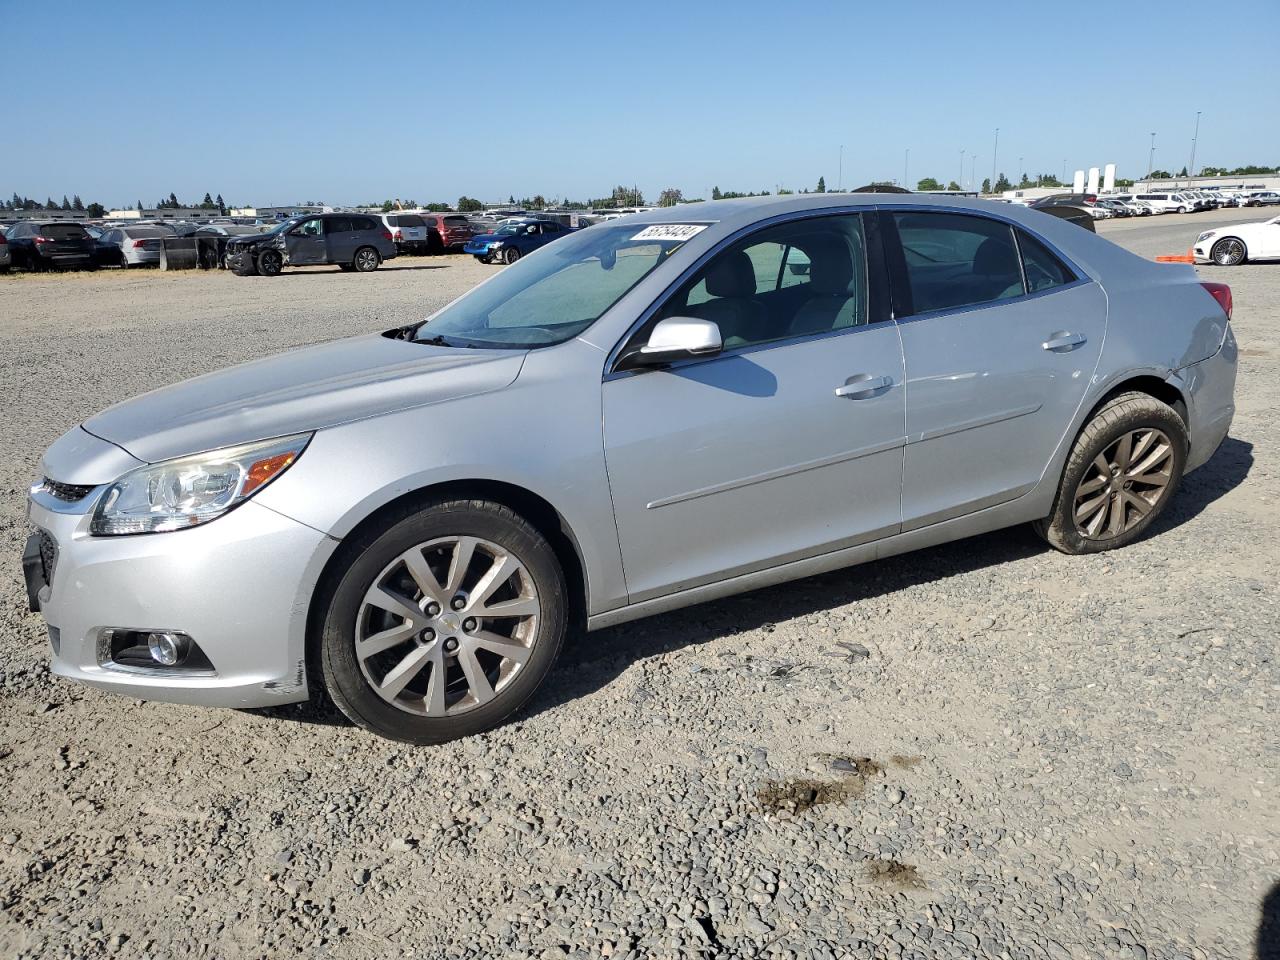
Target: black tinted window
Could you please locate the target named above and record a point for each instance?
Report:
(410, 220)
(337, 225)
(791, 280)
(955, 260)
(363, 223)
(456, 221)
(63, 231)
(1043, 270)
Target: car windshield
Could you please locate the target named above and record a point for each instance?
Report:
(286, 224)
(557, 293)
(511, 229)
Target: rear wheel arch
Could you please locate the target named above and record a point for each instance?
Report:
(539, 512)
(1154, 386)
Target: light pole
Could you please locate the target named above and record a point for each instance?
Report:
(961, 180)
(995, 159)
(1191, 170)
(1021, 176)
(1151, 158)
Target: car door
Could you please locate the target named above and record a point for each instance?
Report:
(1267, 238)
(996, 366)
(305, 243)
(340, 239)
(786, 445)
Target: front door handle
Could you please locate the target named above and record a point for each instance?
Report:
(1064, 340)
(862, 386)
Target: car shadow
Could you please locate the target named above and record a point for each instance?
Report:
(1266, 945)
(590, 662)
(1225, 470)
(314, 272)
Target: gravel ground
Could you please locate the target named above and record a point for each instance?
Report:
(985, 749)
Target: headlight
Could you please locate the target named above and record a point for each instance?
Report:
(191, 490)
(1204, 236)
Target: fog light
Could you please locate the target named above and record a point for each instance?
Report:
(168, 649)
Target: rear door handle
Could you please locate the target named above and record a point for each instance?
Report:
(862, 386)
(1064, 340)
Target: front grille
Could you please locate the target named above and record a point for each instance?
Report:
(67, 492)
(48, 554)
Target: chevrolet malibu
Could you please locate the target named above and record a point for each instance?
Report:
(654, 412)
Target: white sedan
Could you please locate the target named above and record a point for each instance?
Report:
(1231, 245)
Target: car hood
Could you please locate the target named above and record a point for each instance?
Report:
(299, 391)
(490, 237)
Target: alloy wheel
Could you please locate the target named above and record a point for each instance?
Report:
(1123, 484)
(1228, 252)
(366, 260)
(446, 626)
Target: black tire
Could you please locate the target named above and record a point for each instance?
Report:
(1123, 415)
(366, 260)
(270, 263)
(123, 262)
(369, 555)
(510, 255)
(346, 267)
(1228, 252)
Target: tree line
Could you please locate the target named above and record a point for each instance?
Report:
(97, 210)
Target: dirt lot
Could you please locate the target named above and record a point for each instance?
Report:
(986, 749)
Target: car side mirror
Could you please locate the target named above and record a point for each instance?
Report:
(675, 338)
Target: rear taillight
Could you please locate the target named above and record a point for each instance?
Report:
(3, 241)
(397, 235)
(43, 239)
(386, 235)
(139, 244)
(1222, 293)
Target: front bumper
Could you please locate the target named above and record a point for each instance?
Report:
(240, 586)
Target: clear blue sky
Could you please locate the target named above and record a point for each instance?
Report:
(275, 101)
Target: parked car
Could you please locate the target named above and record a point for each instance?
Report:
(134, 246)
(5, 257)
(44, 245)
(409, 231)
(447, 231)
(511, 242)
(394, 527)
(352, 241)
(1263, 198)
(1232, 245)
(1168, 202)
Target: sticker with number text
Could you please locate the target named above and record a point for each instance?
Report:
(670, 231)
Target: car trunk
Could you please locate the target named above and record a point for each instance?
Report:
(456, 229)
(64, 241)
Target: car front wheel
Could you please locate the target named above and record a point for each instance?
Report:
(366, 259)
(444, 622)
(510, 255)
(270, 263)
(1121, 474)
(1228, 252)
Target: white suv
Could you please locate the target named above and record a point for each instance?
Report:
(409, 231)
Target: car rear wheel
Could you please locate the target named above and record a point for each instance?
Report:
(270, 263)
(1122, 472)
(510, 255)
(1228, 252)
(366, 259)
(123, 262)
(444, 622)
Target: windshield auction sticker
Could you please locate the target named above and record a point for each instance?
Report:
(671, 231)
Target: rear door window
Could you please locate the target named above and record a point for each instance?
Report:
(957, 260)
(337, 225)
(1043, 270)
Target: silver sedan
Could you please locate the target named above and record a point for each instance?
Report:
(138, 246)
(663, 409)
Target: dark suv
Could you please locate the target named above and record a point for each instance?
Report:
(354, 241)
(58, 243)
